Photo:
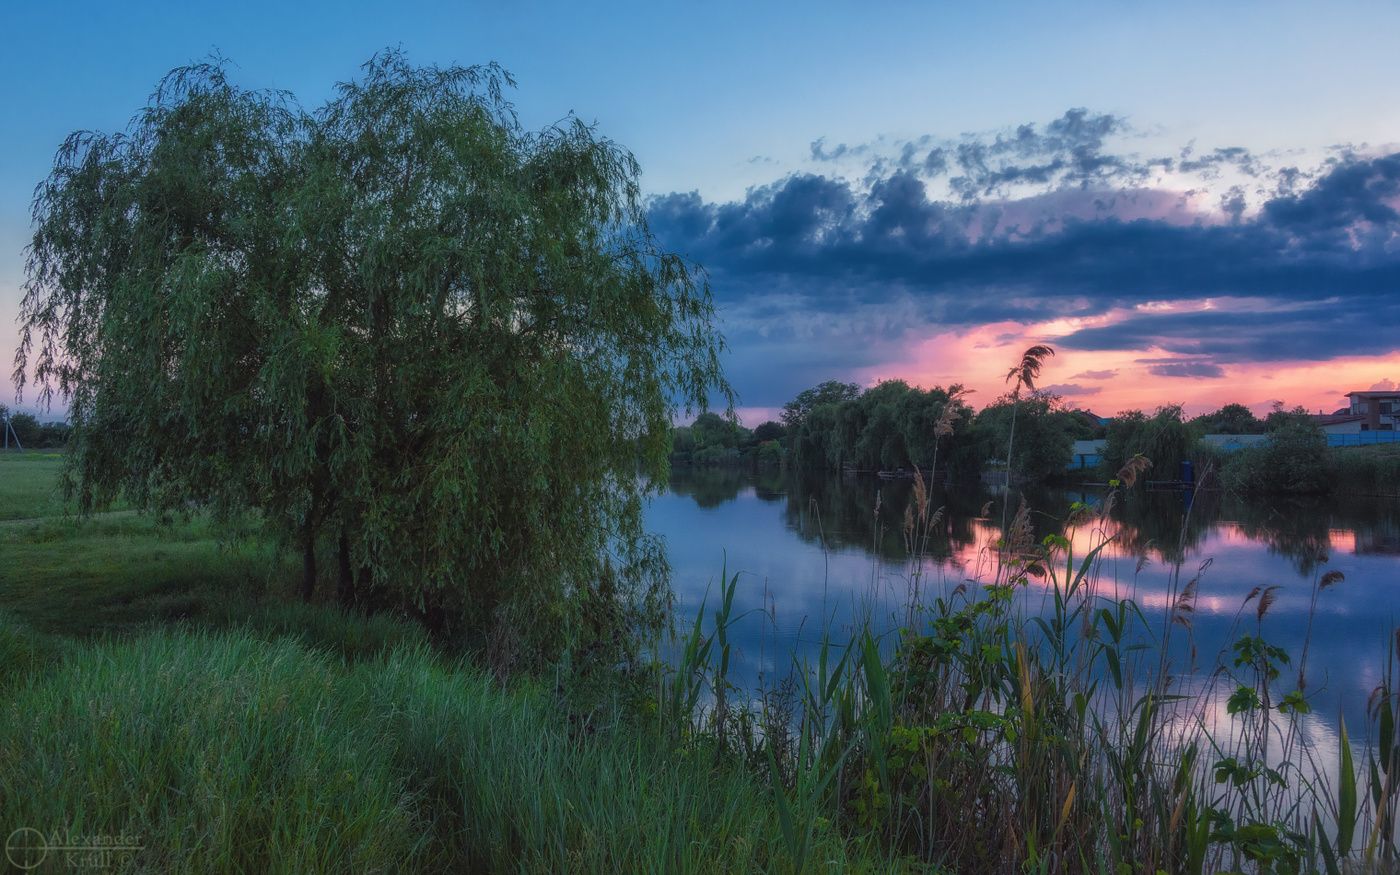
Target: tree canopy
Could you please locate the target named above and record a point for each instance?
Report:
(414, 336)
(830, 392)
(890, 425)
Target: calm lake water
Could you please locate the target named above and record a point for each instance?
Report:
(814, 557)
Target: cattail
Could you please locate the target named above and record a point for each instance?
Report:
(1330, 578)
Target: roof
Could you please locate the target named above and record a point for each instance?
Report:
(1376, 393)
(1337, 418)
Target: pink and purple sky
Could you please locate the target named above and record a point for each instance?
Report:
(1194, 203)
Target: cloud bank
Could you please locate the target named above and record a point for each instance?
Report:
(1221, 257)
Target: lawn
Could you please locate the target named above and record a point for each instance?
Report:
(29, 485)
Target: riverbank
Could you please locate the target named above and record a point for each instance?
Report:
(177, 693)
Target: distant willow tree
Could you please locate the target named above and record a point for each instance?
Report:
(418, 339)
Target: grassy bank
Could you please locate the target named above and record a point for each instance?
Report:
(1370, 470)
(156, 686)
(229, 752)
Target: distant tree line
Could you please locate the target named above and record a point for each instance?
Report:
(33, 435)
(715, 440)
(893, 425)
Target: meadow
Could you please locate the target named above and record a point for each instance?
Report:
(162, 687)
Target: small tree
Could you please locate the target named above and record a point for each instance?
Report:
(415, 336)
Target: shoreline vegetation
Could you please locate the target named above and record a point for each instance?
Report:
(156, 685)
(889, 427)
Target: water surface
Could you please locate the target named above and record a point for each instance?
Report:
(818, 553)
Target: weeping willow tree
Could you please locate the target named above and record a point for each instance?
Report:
(426, 345)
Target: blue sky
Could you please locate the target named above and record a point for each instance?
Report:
(1192, 203)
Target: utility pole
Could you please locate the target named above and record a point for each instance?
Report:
(9, 430)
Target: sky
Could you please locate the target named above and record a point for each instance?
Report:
(1192, 203)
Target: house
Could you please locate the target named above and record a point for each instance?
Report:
(1341, 421)
(1086, 454)
(1379, 409)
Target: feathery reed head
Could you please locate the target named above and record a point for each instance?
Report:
(1025, 373)
(945, 422)
(1128, 474)
(1266, 600)
(920, 494)
(1020, 536)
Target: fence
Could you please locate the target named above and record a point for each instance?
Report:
(1362, 439)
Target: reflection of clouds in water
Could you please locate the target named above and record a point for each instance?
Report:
(811, 591)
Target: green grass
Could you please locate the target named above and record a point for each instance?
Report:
(1368, 470)
(154, 683)
(226, 753)
(29, 485)
(80, 577)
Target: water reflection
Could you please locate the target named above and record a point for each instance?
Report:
(820, 554)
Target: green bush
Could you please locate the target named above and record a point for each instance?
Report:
(1294, 461)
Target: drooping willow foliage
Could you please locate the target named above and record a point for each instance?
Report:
(413, 336)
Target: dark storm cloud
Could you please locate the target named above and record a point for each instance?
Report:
(968, 264)
(856, 268)
(1322, 330)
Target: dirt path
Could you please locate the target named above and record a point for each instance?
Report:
(41, 519)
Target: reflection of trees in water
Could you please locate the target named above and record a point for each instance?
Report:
(769, 484)
(710, 487)
(1169, 525)
(1376, 522)
(840, 509)
(1298, 529)
(839, 512)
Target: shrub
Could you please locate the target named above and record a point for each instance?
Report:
(1295, 461)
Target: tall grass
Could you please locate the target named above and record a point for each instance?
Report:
(1373, 470)
(229, 752)
(985, 736)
